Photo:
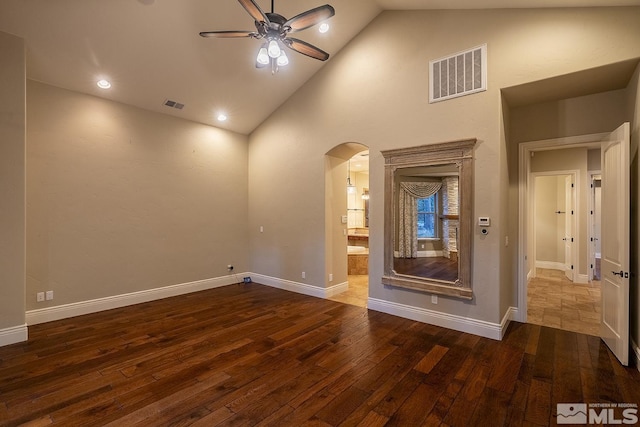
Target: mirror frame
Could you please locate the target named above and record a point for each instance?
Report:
(457, 152)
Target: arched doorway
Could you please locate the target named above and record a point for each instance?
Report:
(347, 223)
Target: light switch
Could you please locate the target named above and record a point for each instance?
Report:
(484, 221)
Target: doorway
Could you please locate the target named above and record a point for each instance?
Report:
(557, 287)
(348, 239)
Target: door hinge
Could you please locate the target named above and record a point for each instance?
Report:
(572, 240)
(572, 185)
(572, 266)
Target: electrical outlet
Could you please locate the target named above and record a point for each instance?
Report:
(230, 267)
(40, 296)
(331, 277)
(304, 275)
(434, 299)
(49, 295)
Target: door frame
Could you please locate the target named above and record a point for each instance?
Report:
(525, 232)
(591, 175)
(575, 174)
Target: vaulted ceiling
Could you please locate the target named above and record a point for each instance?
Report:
(150, 49)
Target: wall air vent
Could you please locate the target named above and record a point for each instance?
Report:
(173, 104)
(457, 75)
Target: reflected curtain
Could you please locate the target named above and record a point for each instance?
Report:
(410, 192)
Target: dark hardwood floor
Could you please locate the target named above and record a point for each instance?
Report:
(254, 355)
(439, 268)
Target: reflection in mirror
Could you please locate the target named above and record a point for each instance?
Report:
(428, 218)
(426, 226)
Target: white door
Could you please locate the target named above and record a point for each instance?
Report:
(568, 227)
(615, 242)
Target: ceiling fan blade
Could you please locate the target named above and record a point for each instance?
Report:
(306, 48)
(310, 18)
(256, 13)
(228, 34)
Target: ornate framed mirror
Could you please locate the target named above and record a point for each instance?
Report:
(428, 218)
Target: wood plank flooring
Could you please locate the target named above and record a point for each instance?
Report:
(439, 268)
(252, 355)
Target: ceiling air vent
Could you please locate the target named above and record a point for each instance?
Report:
(173, 104)
(457, 75)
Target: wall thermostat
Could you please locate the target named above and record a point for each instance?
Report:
(484, 221)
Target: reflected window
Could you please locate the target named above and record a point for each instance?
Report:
(427, 217)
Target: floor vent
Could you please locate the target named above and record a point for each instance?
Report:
(457, 75)
(173, 104)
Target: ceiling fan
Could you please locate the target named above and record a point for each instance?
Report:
(275, 29)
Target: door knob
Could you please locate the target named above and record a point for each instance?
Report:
(621, 273)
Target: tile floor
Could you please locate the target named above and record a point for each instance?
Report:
(554, 301)
(357, 294)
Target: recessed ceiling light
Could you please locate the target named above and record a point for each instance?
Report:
(222, 117)
(324, 27)
(103, 84)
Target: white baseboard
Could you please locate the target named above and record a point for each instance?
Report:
(13, 335)
(451, 321)
(301, 288)
(107, 303)
(636, 352)
(581, 278)
(336, 289)
(512, 314)
(550, 265)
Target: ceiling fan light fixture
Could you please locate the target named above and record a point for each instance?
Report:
(283, 59)
(324, 27)
(274, 49)
(263, 56)
(274, 30)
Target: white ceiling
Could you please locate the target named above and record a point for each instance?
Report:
(150, 49)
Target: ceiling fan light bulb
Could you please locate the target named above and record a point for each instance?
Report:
(263, 56)
(274, 49)
(282, 59)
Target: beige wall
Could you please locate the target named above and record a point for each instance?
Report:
(336, 207)
(600, 112)
(12, 186)
(375, 91)
(121, 200)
